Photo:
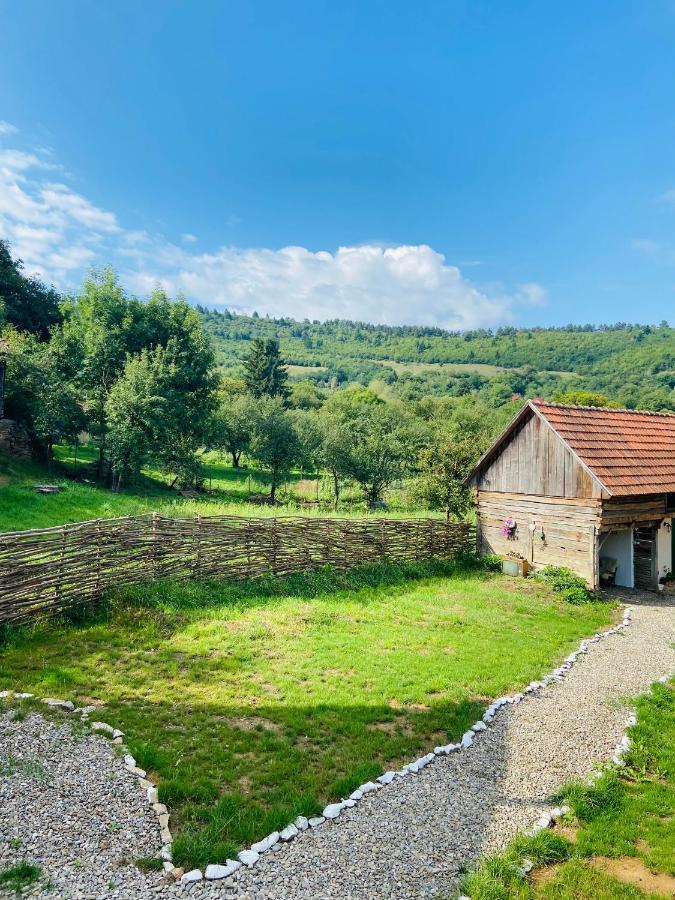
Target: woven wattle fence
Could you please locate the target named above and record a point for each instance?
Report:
(43, 572)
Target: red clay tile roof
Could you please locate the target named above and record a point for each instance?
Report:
(629, 452)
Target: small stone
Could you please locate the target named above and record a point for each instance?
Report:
(289, 832)
(347, 804)
(128, 758)
(103, 727)
(333, 810)
(191, 877)
(214, 872)
(356, 795)
(479, 726)
(315, 821)
(117, 733)
(59, 704)
(467, 740)
(368, 787)
(248, 857)
(165, 852)
(301, 823)
(387, 778)
(265, 843)
(153, 795)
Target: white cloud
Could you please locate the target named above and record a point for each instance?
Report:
(394, 285)
(58, 232)
(7, 127)
(533, 293)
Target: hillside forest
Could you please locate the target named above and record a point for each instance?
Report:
(160, 384)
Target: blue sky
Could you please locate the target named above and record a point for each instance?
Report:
(455, 163)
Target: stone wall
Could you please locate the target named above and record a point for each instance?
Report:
(14, 439)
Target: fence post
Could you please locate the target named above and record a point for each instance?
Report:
(197, 547)
(153, 547)
(98, 558)
(59, 584)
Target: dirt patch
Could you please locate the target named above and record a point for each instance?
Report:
(252, 723)
(569, 832)
(395, 704)
(633, 871)
(546, 874)
(397, 726)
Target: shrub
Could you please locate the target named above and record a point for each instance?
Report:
(564, 582)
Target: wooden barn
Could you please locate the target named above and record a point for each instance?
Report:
(588, 488)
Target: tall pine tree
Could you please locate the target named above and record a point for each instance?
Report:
(264, 372)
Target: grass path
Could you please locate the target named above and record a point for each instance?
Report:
(255, 703)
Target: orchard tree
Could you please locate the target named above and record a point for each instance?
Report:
(232, 424)
(274, 440)
(264, 372)
(373, 442)
(138, 414)
(461, 432)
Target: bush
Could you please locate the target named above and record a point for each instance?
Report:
(564, 582)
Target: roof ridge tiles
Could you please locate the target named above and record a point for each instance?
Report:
(605, 409)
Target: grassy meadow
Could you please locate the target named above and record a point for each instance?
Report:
(227, 491)
(254, 703)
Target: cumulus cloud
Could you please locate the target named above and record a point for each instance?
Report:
(7, 127)
(59, 232)
(393, 285)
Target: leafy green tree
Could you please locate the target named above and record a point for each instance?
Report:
(101, 327)
(584, 398)
(25, 302)
(373, 442)
(305, 395)
(38, 396)
(461, 432)
(232, 425)
(264, 372)
(274, 440)
(137, 410)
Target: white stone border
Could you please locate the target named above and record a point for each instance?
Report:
(250, 856)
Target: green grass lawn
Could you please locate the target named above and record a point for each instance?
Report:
(254, 703)
(622, 826)
(21, 508)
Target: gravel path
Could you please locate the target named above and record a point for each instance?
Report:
(80, 815)
(68, 804)
(411, 839)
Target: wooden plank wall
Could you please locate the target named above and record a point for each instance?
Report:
(629, 510)
(535, 461)
(569, 530)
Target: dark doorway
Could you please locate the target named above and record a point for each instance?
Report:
(644, 558)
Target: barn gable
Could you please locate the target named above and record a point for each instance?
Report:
(531, 458)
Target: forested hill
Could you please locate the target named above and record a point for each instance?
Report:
(632, 364)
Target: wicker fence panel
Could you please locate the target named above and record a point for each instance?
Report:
(43, 572)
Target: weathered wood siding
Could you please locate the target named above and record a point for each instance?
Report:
(629, 510)
(537, 462)
(564, 531)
